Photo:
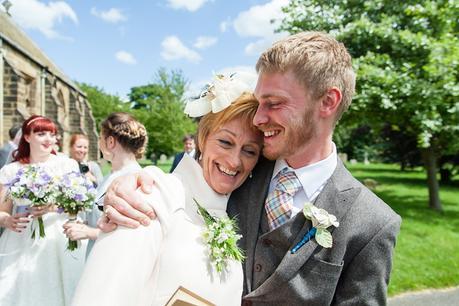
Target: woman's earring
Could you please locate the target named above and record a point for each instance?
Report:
(250, 175)
(200, 157)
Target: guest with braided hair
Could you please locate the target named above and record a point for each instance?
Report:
(122, 141)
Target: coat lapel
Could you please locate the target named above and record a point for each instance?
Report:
(336, 198)
(257, 194)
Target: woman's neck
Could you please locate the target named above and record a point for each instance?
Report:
(39, 158)
(122, 159)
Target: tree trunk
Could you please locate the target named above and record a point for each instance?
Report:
(445, 176)
(430, 162)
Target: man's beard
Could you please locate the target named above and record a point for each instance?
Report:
(298, 134)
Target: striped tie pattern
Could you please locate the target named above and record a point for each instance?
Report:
(279, 202)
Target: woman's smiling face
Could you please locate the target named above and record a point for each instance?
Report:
(229, 155)
(41, 142)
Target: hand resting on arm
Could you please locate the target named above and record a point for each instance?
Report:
(123, 206)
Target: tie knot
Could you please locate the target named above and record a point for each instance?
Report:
(288, 182)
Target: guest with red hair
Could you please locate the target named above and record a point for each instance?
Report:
(36, 271)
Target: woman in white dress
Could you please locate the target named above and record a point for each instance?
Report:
(36, 271)
(122, 141)
(146, 265)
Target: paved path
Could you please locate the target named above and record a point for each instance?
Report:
(442, 297)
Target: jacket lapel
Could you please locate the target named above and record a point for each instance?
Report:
(336, 198)
(257, 194)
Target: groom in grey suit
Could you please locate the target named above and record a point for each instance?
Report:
(305, 84)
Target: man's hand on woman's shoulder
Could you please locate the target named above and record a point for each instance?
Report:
(124, 206)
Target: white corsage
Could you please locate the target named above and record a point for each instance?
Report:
(321, 220)
(219, 94)
(221, 238)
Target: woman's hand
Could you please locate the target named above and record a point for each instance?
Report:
(17, 222)
(91, 177)
(38, 211)
(78, 231)
(124, 206)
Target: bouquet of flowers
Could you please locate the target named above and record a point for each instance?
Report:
(76, 193)
(33, 186)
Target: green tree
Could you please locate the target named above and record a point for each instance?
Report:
(102, 103)
(159, 106)
(406, 55)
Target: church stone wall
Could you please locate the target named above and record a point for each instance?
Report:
(24, 94)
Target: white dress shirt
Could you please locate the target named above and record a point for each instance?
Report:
(312, 177)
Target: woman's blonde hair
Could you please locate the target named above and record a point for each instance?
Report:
(128, 132)
(243, 108)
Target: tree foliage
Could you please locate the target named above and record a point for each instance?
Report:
(159, 106)
(102, 103)
(406, 55)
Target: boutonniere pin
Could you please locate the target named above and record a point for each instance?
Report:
(221, 238)
(321, 220)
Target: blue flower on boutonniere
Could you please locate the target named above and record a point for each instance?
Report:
(321, 220)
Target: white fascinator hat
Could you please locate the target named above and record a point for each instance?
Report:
(221, 92)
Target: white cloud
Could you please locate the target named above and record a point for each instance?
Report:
(32, 14)
(125, 57)
(224, 25)
(203, 42)
(256, 22)
(190, 5)
(112, 15)
(174, 49)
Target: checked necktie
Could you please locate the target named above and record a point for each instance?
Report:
(279, 202)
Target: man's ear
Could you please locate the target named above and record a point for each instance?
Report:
(330, 102)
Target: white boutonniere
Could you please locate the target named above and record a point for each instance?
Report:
(321, 220)
(221, 238)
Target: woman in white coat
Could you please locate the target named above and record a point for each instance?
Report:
(145, 266)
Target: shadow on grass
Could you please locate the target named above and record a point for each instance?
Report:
(412, 207)
(407, 193)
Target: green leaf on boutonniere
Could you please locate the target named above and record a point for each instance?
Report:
(324, 238)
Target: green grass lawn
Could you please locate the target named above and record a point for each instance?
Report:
(427, 250)
(165, 166)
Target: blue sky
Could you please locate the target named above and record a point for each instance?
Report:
(120, 44)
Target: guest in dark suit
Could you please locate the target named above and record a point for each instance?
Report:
(10, 146)
(188, 148)
(305, 84)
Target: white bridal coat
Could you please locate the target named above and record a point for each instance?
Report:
(145, 266)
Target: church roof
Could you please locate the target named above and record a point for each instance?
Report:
(14, 36)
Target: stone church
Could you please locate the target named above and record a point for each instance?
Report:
(30, 83)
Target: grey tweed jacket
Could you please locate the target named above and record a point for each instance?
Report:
(355, 271)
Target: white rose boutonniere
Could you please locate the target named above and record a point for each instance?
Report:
(321, 220)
